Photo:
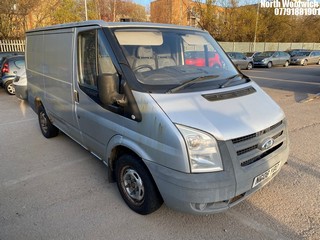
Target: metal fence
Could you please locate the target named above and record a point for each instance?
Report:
(19, 46)
(266, 46)
(12, 45)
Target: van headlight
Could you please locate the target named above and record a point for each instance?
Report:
(204, 155)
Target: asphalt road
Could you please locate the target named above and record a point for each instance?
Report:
(54, 189)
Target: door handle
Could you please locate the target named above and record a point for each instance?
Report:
(76, 96)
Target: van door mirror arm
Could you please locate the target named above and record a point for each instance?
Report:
(132, 110)
(120, 99)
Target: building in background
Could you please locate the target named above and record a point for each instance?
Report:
(180, 12)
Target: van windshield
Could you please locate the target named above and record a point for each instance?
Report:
(171, 57)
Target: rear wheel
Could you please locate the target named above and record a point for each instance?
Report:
(47, 128)
(9, 87)
(286, 64)
(249, 66)
(136, 185)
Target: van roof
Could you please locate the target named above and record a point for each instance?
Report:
(112, 25)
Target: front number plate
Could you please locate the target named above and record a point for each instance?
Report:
(267, 174)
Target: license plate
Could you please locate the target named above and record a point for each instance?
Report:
(267, 174)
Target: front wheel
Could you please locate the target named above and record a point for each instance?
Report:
(286, 64)
(269, 65)
(47, 128)
(305, 62)
(136, 185)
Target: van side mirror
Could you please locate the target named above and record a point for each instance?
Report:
(108, 85)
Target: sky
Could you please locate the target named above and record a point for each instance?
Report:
(142, 2)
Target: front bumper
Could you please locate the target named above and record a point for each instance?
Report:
(260, 64)
(295, 62)
(209, 193)
(245, 162)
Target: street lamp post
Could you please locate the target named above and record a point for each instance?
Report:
(85, 9)
(256, 28)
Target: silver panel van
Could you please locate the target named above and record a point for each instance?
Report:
(162, 106)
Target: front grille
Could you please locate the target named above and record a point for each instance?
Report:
(243, 151)
(264, 154)
(245, 138)
(247, 148)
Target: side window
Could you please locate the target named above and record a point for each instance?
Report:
(231, 55)
(241, 56)
(87, 60)
(93, 58)
(105, 65)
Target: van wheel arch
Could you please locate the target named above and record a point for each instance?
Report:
(47, 128)
(115, 154)
(37, 105)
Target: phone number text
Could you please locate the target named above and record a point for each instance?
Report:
(297, 11)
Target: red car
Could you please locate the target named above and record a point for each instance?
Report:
(197, 58)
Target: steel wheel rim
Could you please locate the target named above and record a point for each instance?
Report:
(43, 122)
(132, 185)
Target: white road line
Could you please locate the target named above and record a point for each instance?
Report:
(20, 121)
(249, 222)
(287, 80)
(41, 173)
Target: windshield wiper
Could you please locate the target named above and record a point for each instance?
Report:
(191, 82)
(229, 80)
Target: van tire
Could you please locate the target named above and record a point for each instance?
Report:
(47, 128)
(142, 196)
(9, 87)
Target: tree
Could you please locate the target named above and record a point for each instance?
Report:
(68, 11)
(13, 17)
(114, 10)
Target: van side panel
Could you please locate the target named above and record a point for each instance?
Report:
(55, 49)
(34, 61)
